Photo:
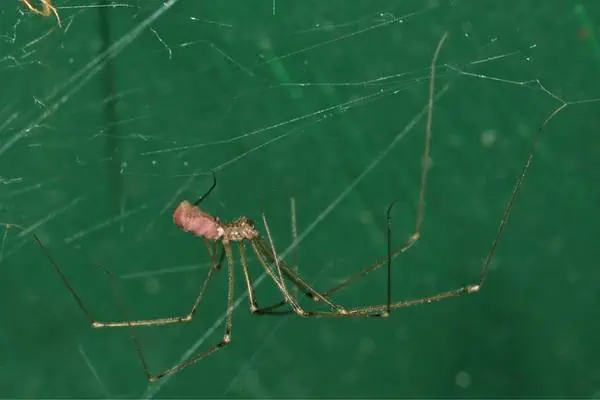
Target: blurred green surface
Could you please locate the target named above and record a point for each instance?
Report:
(109, 121)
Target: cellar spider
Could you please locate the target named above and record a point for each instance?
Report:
(47, 9)
(218, 238)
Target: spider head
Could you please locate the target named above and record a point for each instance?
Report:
(240, 229)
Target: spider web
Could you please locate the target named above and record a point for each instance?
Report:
(110, 120)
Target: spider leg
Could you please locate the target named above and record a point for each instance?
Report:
(210, 189)
(414, 237)
(317, 296)
(170, 320)
(391, 253)
(383, 310)
(247, 278)
(254, 308)
(263, 252)
(128, 323)
(228, 326)
(192, 360)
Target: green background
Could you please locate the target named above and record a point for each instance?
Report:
(297, 99)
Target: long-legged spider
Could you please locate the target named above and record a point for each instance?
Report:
(219, 236)
(46, 10)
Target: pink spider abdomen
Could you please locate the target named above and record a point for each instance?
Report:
(190, 218)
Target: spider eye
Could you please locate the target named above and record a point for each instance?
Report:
(250, 222)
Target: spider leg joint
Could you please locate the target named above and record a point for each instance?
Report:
(473, 288)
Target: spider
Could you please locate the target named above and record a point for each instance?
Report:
(219, 237)
(46, 11)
